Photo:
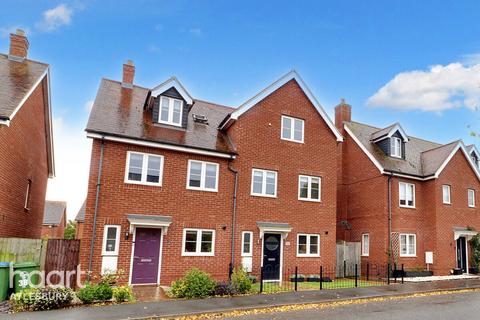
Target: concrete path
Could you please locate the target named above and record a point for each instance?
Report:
(170, 308)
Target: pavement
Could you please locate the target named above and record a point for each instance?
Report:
(172, 308)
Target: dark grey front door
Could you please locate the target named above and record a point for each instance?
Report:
(462, 254)
(146, 256)
(271, 256)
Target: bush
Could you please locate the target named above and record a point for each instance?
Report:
(195, 284)
(111, 277)
(224, 289)
(48, 298)
(95, 292)
(123, 294)
(241, 281)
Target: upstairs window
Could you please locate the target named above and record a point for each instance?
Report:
(170, 111)
(407, 195)
(446, 194)
(471, 198)
(143, 168)
(202, 176)
(292, 129)
(264, 183)
(309, 188)
(396, 147)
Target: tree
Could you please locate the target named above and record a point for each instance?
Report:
(70, 230)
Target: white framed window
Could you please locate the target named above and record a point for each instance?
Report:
(27, 195)
(198, 242)
(170, 111)
(471, 198)
(365, 244)
(407, 195)
(264, 183)
(308, 245)
(247, 243)
(292, 129)
(396, 147)
(202, 176)
(144, 168)
(309, 188)
(446, 194)
(111, 240)
(408, 245)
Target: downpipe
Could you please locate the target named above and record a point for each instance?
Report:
(234, 213)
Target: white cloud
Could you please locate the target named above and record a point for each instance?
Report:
(441, 87)
(196, 32)
(72, 163)
(55, 18)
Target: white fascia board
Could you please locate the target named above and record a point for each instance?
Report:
(462, 147)
(50, 128)
(173, 82)
(161, 146)
(275, 86)
(369, 155)
(475, 150)
(392, 131)
(5, 123)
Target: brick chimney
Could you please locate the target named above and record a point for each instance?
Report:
(18, 46)
(343, 112)
(128, 74)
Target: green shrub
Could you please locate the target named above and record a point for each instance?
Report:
(241, 281)
(48, 298)
(111, 277)
(95, 292)
(123, 294)
(195, 284)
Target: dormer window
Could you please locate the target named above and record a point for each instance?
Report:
(170, 111)
(396, 147)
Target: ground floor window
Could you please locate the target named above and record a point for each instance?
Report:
(198, 242)
(408, 245)
(365, 244)
(308, 245)
(247, 243)
(111, 239)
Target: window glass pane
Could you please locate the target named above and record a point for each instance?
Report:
(403, 244)
(153, 172)
(191, 241)
(287, 128)
(302, 244)
(365, 243)
(195, 174)
(257, 181)
(304, 187)
(135, 167)
(298, 133)
(111, 233)
(411, 244)
(313, 244)
(246, 242)
(270, 186)
(111, 239)
(210, 176)
(315, 187)
(110, 247)
(207, 237)
(164, 108)
(410, 196)
(177, 110)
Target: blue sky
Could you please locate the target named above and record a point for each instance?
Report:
(226, 51)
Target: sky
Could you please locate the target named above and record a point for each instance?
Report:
(415, 62)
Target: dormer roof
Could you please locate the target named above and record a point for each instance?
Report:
(173, 82)
(473, 149)
(388, 132)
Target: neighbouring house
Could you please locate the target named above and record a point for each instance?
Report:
(406, 198)
(26, 141)
(54, 220)
(80, 220)
(177, 182)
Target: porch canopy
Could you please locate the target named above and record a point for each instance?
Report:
(463, 232)
(150, 221)
(275, 227)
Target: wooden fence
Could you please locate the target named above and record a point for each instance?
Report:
(62, 256)
(23, 250)
(348, 255)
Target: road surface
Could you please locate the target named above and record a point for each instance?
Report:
(439, 307)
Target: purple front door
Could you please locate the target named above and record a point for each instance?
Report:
(146, 256)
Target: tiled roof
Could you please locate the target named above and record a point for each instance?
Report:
(16, 80)
(54, 211)
(111, 115)
(81, 213)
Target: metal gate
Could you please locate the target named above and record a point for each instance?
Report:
(61, 260)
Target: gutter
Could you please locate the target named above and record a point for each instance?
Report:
(95, 213)
(234, 210)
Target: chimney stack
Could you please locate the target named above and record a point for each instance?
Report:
(18, 46)
(128, 74)
(343, 113)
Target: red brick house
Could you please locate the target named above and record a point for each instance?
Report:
(54, 220)
(80, 219)
(26, 142)
(415, 199)
(177, 182)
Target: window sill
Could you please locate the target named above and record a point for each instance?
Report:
(139, 183)
(246, 255)
(407, 207)
(310, 200)
(408, 256)
(169, 123)
(470, 207)
(201, 189)
(365, 255)
(262, 195)
(291, 140)
(308, 256)
(447, 203)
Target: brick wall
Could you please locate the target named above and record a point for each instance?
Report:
(23, 156)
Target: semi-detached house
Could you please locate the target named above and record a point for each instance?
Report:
(177, 182)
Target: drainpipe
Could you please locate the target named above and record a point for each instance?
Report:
(390, 248)
(234, 209)
(97, 196)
